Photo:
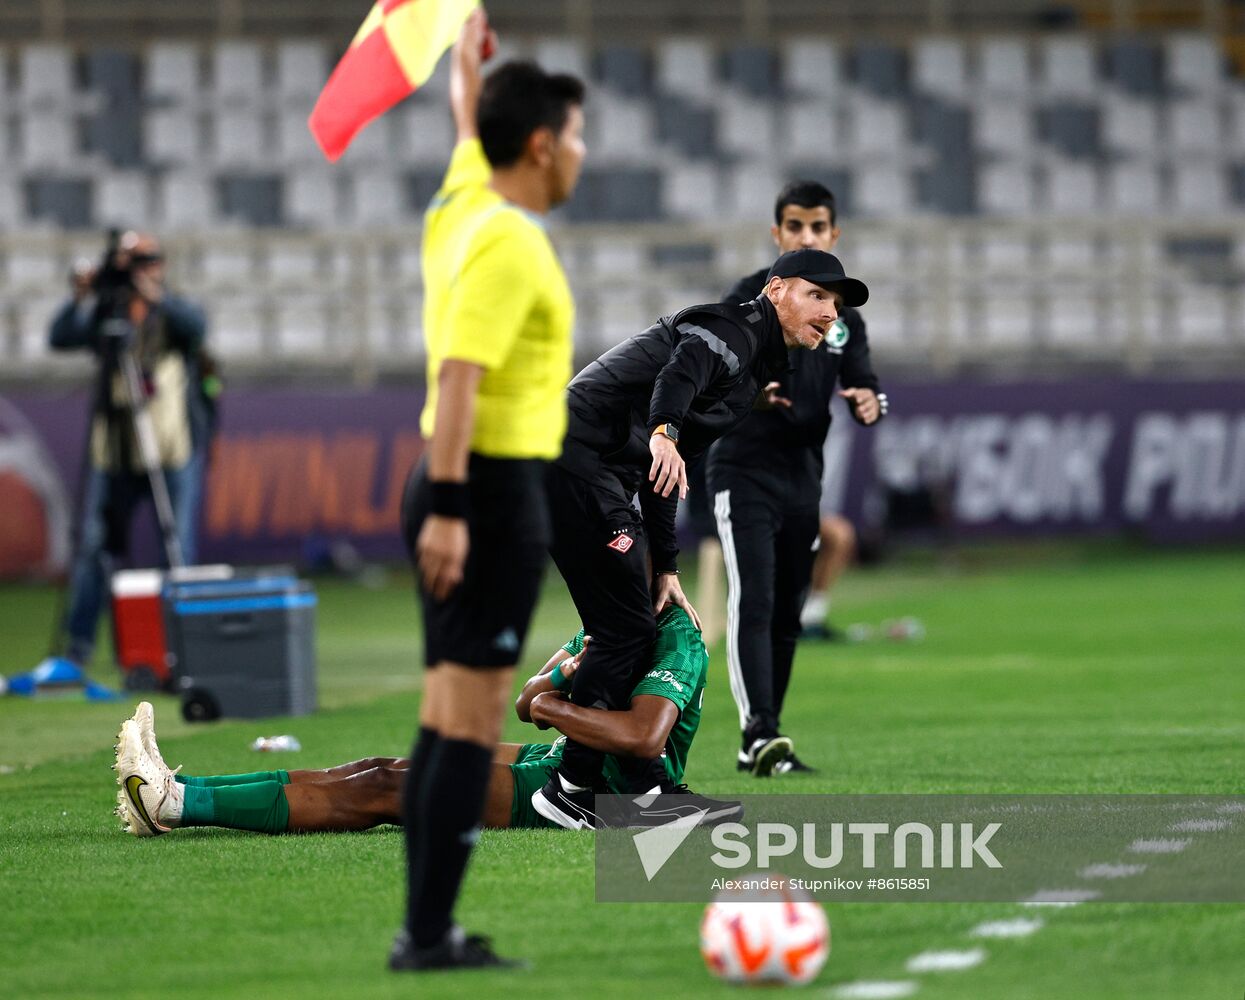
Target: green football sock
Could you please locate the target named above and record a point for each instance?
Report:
(260, 806)
(221, 780)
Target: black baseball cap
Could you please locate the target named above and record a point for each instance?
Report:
(822, 269)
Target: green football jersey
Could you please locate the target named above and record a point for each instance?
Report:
(677, 672)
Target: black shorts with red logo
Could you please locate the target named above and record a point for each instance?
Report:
(483, 622)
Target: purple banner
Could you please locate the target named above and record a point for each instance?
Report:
(296, 470)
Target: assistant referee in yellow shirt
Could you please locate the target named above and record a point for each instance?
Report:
(497, 319)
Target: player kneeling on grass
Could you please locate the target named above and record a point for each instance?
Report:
(661, 722)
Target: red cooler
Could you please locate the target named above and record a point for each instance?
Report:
(138, 628)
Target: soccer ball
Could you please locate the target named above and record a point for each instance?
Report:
(774, 935)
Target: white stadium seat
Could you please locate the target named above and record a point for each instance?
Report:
(123, 199)
(1130, 126)
(1068, 67)
(940, 67)
(685, 68)
(1194, 63)
(310, 197)
(237, 72)
(1133, 188)
(172, 136)
(186, 200)
(302, 70)
(173, 74)
(1005, 69)
(48, 139)
(1199, 189)
(240, 137)
(690, 191)
(45, 77)
(812, 68)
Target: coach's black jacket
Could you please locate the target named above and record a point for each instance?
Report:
(781, 448)
(701, 369)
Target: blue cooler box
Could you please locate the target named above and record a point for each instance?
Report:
(243, 647)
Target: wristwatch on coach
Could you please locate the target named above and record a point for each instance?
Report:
(668, 430)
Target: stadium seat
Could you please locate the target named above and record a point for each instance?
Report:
(749, 191)
(1003, 127)
(48, 139)
(302, 327)
(172, 137)
(690, 191)
(240, 138)
(1005, 70)
(619, 313)
(940, 68)
(948, 186)
(684, 67)
(1133, 66)
(810, 128)
(878, 130)
(1072, 318)
(882, 191)
(238, 327)
(1071, 188)
(562, 55)
(290, 263)
(371, 147)
(376, 198)
(1007, 316)
(424, 134)
(420, 187)
(45, 77)
(688, 128)
(621, 129)
(1195, 64)
(33, 269)
(746, 125)
(229, 264)
(1202, 313)
(173, 75)
(1072, 128)
(1067, 67)
(626, 69)
(753, 70)
(12, 211)
(1193, 127)
(1069, 254)
(886, 320)
(880, 69)
(1005, 251)
(186, 200)
(1199, 189)
(253, 199)
(1130, 126)
(812, 68)
(1133, 188)
(237, 73)
(873, 252)
(302, 70)
(123, 200)
(295, 145)
(944, 127)
(63, 201)
(1006, 189)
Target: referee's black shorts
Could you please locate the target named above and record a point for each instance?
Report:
(483, 622)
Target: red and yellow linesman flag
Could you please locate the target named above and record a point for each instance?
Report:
(393, 53)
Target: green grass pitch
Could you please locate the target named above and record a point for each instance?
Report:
(1055, 669)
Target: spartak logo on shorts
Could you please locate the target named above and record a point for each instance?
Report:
(621, 543)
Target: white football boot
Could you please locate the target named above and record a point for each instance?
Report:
(145, 717)
(149, 800)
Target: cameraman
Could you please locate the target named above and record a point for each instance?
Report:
(123, 306)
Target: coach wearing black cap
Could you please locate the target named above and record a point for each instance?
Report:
(636, 416)
(765, 481)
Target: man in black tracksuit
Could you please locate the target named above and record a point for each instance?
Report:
(636, 415)
(765, 482)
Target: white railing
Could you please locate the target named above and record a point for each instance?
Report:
(946, 296)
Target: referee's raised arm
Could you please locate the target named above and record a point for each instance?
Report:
(497, 324)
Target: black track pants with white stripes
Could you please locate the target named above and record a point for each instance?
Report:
(768, 551)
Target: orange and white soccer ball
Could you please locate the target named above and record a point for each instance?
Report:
(768, 936)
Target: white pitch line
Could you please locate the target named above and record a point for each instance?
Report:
(1018, 928)
(1200, 825)
(1231, 807)
(1061, 897)
(1111, 871)
(946, 961)
(875, 990)
(1160, 846)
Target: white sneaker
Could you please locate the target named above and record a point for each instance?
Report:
(145, 717)
(149, 799)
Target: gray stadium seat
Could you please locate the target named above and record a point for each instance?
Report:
(64, 202)
(292, 264)
(295, 145)
(115, 128)
(1071, 188)
(186, 200)
(1005, 128)
(48, 139)
(812, 68)
(123, 200)
(1194, 127)
(173, 74)
(240, 137)
(1195, 64)
(1133, 66)
(45, 76)
(749, 191)
(1202, 313)
(420, 187)
(881, 70)
(424, 134)
(944, 127)
(684, 67)
(690, 191)
(940, 68)
(877, 129)
(1007, 316)
(690, 129)
(1199, 189)
(562, 55)
(752, 69)
(1236, 182)
(746, 126)
(621, 129)
(12, 202)
(1072, 129)
(1005, 69)
(173, 137)
(1067, 67)
(302, 326)
(1130, 126)
(811, 131)
(882, 190)
(1133, 188)
(377, 198)
(237, 73)
(310, 197)
(253, 199)
(948, 186)
(238, 327)
(1005, 189)
(302, 70)
(228, 264)
(371, 146)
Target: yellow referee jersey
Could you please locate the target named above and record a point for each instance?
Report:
(496, 296)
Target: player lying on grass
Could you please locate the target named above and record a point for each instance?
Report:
(661, 722)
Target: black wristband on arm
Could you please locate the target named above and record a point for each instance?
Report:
(449, 499)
